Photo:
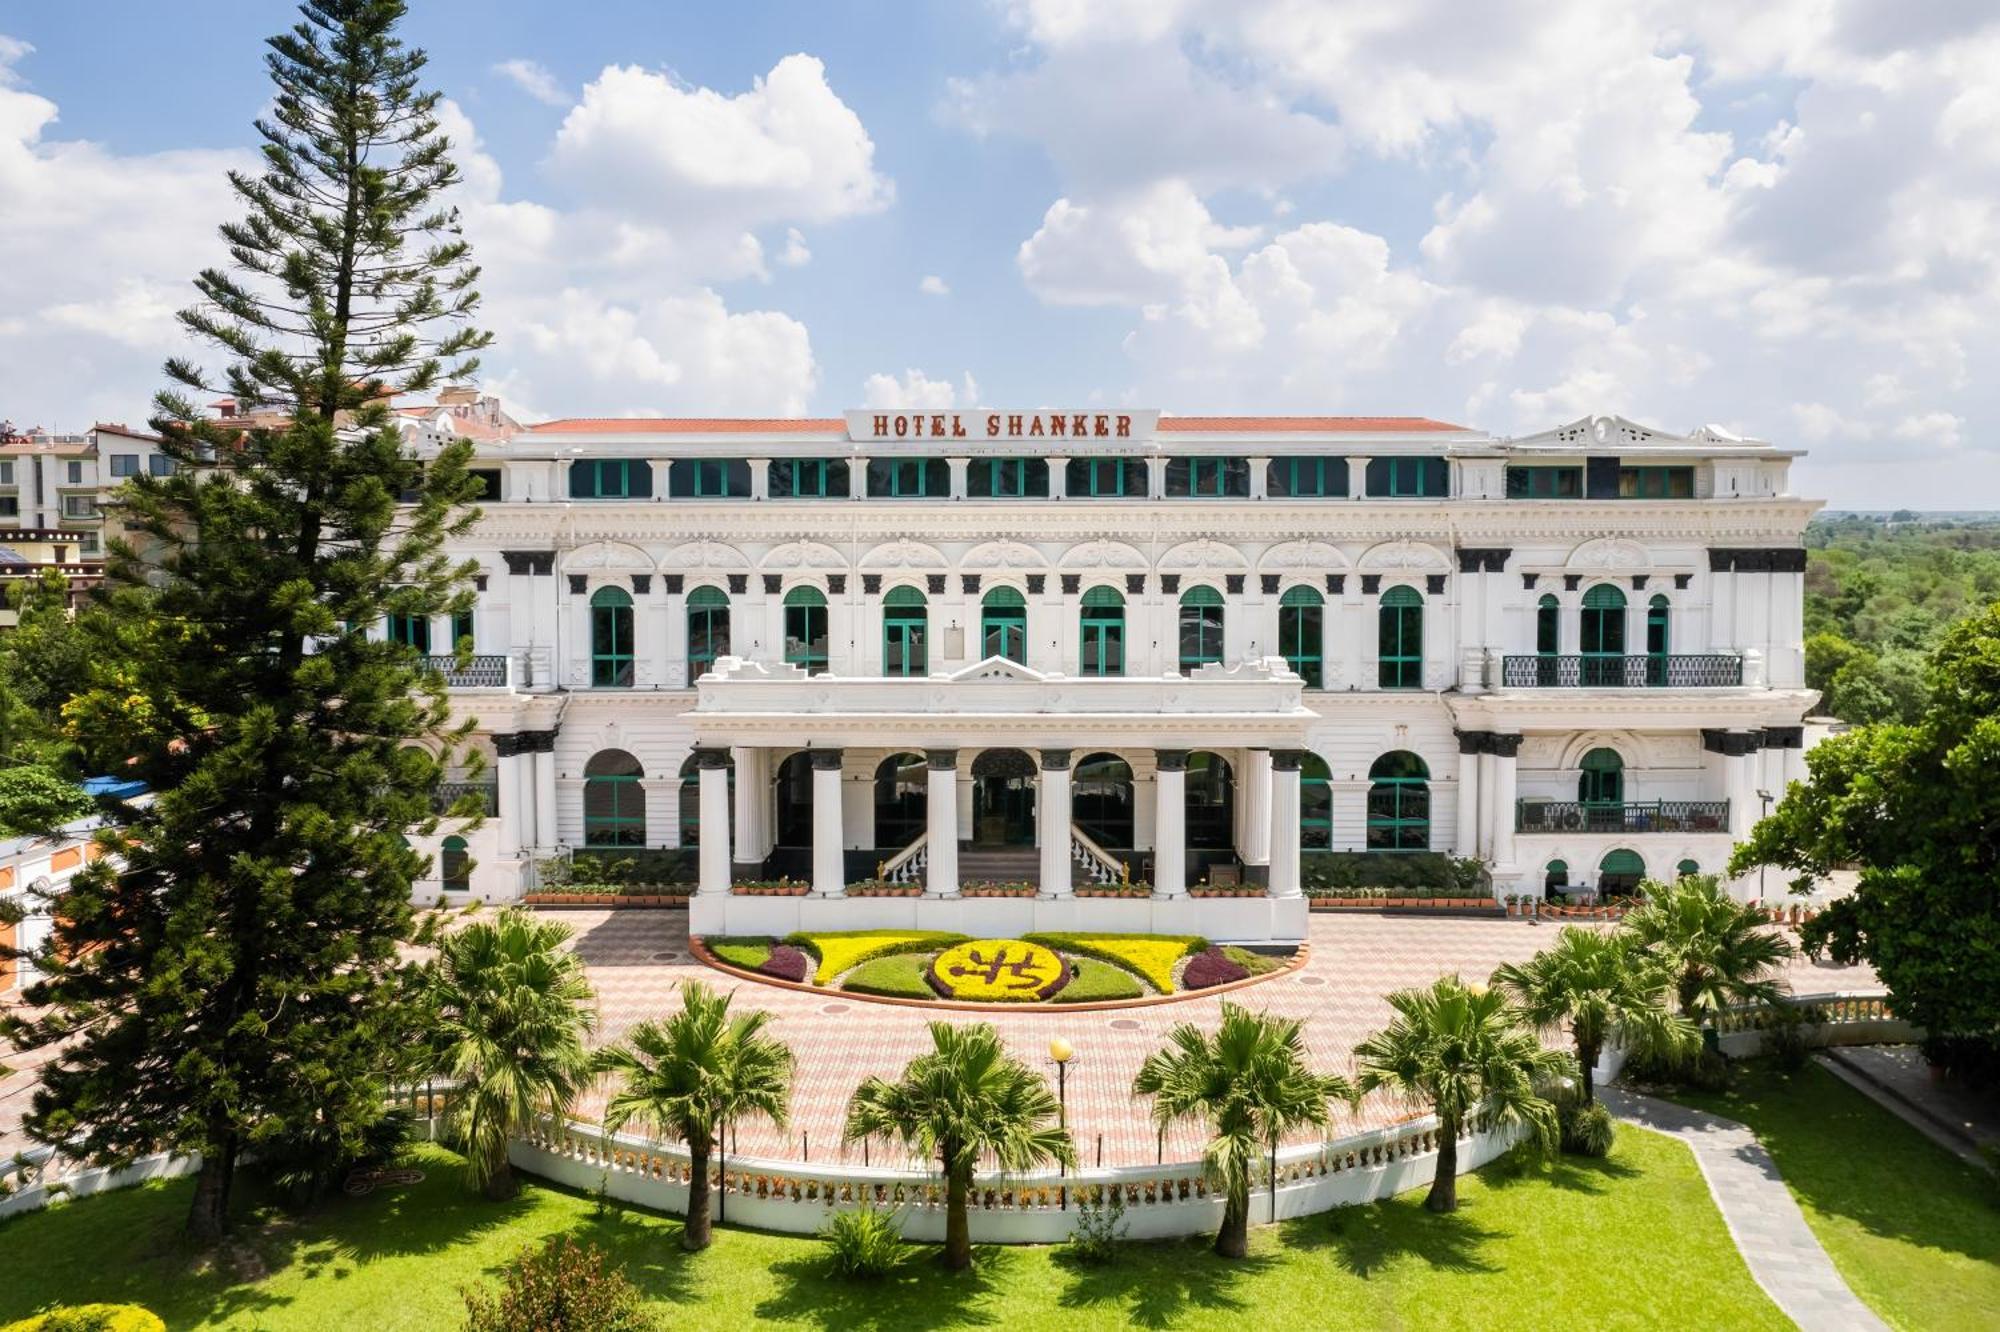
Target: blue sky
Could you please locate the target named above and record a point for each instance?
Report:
(1778, 218)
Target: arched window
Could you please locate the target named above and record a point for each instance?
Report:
(1103, 632)
(905, 640)
(455, 866)
(1601, 788)
(1211, 802)
(1687, 869)
(1101, 800)
(414, 630)
(1548, 638)
(1315, 805)
(708, 629)
(1400, 640)
(805, 629)
(614, 800)
(1003, 625)
(1201, 627)
(1603, 637)
(1555, 878)
(690, 802)
(611, 638)
(1659, 639)
(1399, 803)
(902, 801)
(1300, 613)
(1619, 873)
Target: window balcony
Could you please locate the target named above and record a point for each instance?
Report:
(480, 672)
(1594, 671)
(448, 794)
(1644, 816)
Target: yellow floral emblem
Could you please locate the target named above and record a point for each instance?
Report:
(998, 970)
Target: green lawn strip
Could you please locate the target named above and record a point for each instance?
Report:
(1913, 1229)
(1098, 982)
(1257, 964)
(1630, 1242)
(748, 952)
(899, 976)
(1149, 956)
(839, 950)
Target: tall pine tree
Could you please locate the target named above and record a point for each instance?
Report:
(236, 985)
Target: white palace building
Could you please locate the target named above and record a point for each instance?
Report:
(1080, 647)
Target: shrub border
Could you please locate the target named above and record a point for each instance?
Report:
(699, 950)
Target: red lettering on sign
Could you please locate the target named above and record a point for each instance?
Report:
(1124, 427)
(957, 426)
(1034, 427)
(1014, 425)
(992, 424)
(1103, 426)
(902, 426)
(881, 425)
(1079, 426)
(1058, 424)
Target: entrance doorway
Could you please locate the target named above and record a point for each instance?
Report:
(1003, 799)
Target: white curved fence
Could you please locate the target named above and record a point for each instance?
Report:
(1161, 1201)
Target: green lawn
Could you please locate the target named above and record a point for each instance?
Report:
(1633, 1242)
(1915, 1231)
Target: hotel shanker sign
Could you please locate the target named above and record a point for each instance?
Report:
(875, 427)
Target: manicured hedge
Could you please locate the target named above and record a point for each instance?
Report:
(838, 950)
(899, 976)
(787, 963)
(1321, 871)
(1211, 968)
(96, 1317)
(1098, 982)
(1151, 956)
(748, 951)
(1257, 964)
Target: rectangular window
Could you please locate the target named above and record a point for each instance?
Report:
(6, 473)
(461, 628)
(908, 478)
(489, 482)
(1656, 483)
(79, 506)
(1107, 478)
(75, 473)
(1007, 478)
(1544, 483)
(808, 478)
(1408, 478)
(1307, 478)
(87, 544)
(124, 464)
(711, 478)
(10, 507)
(414, 630)
(611, 478)
(1208, 478)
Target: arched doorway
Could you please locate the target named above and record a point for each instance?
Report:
(794, 790)
(1101, 800)
(1601, 790)
(1619, 873)
(902, 801)
(1003, 798)
(1399, 803)
(1211, 802)
(1315, 804)
(1555, 878)
(1603, 636)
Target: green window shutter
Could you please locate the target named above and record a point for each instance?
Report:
(1201, 596)
(1301, 596)
(805, 595)
(1103, 596)
(903, 596)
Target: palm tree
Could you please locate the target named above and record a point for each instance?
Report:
(1600, 988)
(1716, 951)
(694, 1074)
(964, 1099)
(512, 1010)
(1461, 1049)
(1249, 1083)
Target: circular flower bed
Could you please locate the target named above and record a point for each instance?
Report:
(988, 971)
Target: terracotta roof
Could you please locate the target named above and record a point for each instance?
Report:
(795, 425)
(1331, 425)
(692, 425)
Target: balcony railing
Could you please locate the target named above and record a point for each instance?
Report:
(481, 672)
(448, 793)
(1593, 671)
(1591, 816)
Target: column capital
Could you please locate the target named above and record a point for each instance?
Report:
(1505, 746)
(711, 758)
(535, 742)
(941, 760)
(1170, 760)
(826, 758)
(1287, 760)
(1056, 760)
(506, 744)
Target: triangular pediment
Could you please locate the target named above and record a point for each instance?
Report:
(998, 668)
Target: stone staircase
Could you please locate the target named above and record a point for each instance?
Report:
(999, 864)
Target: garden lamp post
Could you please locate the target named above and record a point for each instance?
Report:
(1061, 1052)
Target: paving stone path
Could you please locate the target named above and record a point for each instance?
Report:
(1763, 1218)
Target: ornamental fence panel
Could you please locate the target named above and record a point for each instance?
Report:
(1533, 815)
(1612, 671)
(482, 671)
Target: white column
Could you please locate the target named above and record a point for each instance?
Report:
(714, 820)
(1744, 806)
(1282, 828)
(507, 791)
(1058, 477)
(857, 477)
(941, 850)
(1170, 823)
(760, 478)
(1260, 477)
(1052, 819)
(1357, 478)
(752, 785)
(522, 771)
(829, 869)
(545, 788)
(955, 468)
(1489, 781)
(1259, 833)
(1467, 843)
(1505, 747)
(674, 670)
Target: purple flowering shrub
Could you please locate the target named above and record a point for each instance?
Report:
(1213, 967)
(787, 963)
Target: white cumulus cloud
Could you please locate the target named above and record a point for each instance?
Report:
(914, 388)
(533, 78)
